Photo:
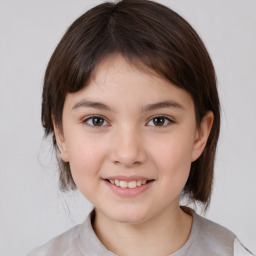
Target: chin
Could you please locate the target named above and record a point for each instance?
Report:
(131, 215)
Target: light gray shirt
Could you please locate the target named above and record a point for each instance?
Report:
(206, 238)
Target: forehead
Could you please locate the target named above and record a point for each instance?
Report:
(118, 82)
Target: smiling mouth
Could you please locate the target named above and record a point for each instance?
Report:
(129, 184)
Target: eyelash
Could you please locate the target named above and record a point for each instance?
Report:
(166, 118)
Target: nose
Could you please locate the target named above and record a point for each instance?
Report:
(128, 148)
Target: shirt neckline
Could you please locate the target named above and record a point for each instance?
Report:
(98, 249)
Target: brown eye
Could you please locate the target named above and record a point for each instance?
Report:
(95, 121)
(160, 121)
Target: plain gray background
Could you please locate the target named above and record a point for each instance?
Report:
(32, 209)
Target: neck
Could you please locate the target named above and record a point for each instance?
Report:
(161, 235)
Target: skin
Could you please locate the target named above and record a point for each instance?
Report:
(129, 142)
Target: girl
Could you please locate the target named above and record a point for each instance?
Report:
(131, 103)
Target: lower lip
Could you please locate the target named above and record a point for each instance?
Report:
(128, 192)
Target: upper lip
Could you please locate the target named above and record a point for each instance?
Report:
(127, 178)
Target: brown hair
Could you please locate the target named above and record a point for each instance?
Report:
(144, 32)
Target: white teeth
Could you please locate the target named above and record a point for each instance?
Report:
(123, 184)
(128, 184)
(132, 184)
(138, 183)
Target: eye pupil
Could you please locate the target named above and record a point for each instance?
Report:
(97, 121)
(158, 121)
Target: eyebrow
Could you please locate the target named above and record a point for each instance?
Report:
(163, 104)
(147, 108)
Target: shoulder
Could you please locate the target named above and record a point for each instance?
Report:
(214, 239)
(66, 243)
(77, 241)
(215, 232)
(211, 237)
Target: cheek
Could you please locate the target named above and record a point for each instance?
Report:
(85, 158)
(173, 164)
(172, 156)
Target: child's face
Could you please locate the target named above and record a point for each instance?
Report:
(126, 141)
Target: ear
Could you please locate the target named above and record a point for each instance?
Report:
(61, 143)
(202, 135)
